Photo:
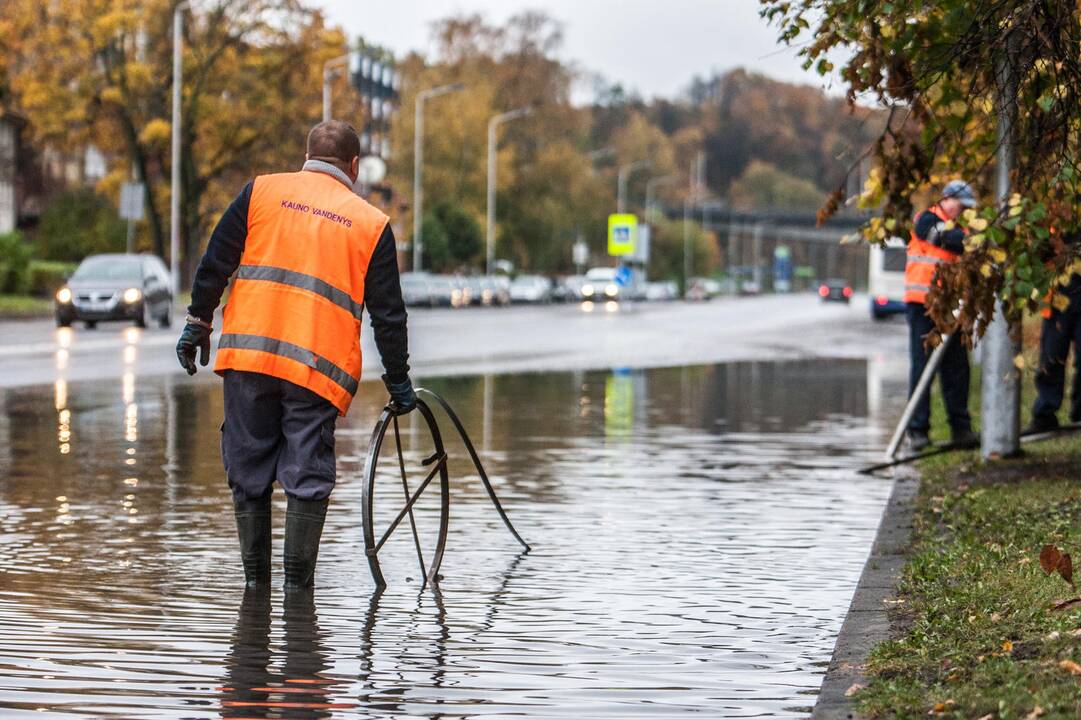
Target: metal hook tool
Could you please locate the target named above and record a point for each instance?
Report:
(437, 465)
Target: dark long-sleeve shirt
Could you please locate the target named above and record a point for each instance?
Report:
(382, 287)
(931, 228)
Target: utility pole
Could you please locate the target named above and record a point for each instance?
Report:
(692, 195)
(418, 166)
(493, 148)
(329, 68)
(621, 182)
(1000, 422)
(174, 194)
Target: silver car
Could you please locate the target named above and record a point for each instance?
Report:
(531, 289)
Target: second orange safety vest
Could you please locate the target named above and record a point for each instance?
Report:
(922, 262)
(295, 307)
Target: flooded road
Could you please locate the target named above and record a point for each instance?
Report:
(697, 535)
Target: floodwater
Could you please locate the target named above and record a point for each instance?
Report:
(697, 535)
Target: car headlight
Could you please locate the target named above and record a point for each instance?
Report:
(587, 289)
(132, 295)
(63, 296)
(611, 290)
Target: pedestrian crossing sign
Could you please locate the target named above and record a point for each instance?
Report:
(622, 234)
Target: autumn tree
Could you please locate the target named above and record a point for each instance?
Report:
(98, 72)
(948, 72)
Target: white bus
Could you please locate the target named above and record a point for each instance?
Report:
(886, 279)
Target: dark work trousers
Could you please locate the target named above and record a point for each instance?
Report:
(1060, 331)
(275, 430)
(953, 373)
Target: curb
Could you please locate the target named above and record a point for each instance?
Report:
(867, 622)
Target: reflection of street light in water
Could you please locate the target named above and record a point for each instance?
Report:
(63, 418)
(64, 337)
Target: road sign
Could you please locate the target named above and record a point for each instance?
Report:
(622, 234)
(580, 253)
(131, 201)
(641, 250)
(372, 170)
(623, 275)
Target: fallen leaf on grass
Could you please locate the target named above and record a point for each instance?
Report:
(988, 716)
(1007, 646)
(1036, 712)
(1066, 604)
(1075, 633)
(942, 707)
(1070, 666)
(1049, 557)
(856, 687)
(1052, 559)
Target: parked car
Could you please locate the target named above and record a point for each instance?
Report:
(495, 290)
(835, 291)
(531, 289)
(659, 291)
(750, 287)
(447, 291)
(416, 289)
(710, 286)
(568, 289)
(117, 287)
(886, 278)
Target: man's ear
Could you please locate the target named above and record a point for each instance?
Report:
(354, 168)
(307, 157)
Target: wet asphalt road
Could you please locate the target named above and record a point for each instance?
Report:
(517, 339)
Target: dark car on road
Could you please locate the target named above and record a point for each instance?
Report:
(835, 291)
(117, 287)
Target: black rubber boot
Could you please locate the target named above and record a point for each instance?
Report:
(303, 528)
(253, 530)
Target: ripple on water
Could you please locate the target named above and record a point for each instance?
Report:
(698, 533)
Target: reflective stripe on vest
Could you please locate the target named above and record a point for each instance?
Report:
(302, 281)
(234, 341)
(294, 311)
(923, 259)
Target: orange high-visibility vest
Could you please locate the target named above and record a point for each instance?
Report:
(923, 259)
(295, 307)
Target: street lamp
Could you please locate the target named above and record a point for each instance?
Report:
(493, 125)
(418, 165)
(624, 173)
(329, 68)
(651, 185)
(174, 196)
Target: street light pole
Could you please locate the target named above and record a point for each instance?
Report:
(493, 126)
(418, 165)
(624, 173)
(651, 186)
(328, 74)
(174, 195)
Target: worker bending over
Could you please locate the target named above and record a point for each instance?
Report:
(309, 256)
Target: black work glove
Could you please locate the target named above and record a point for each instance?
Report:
(195, 337)
(403, 398)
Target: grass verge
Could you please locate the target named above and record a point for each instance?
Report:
(976, 633)
(24, 306)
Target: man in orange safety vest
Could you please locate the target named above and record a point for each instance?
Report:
(309, 256)
(935, 240)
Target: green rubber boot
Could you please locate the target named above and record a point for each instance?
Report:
(303, 528)
(253, 530)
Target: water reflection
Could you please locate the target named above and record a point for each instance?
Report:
(255, 687)
(697, 534)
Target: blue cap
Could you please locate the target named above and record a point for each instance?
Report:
(961, 190)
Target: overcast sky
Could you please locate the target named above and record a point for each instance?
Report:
(645, 45)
